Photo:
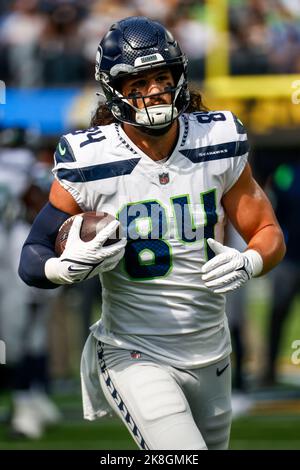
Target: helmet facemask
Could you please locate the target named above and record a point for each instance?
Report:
(157, 117)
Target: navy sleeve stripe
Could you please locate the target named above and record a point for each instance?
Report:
(216, 152)
(98, 172)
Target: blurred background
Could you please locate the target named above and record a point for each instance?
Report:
(244, 55)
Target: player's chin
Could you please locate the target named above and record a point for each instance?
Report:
(154, 131)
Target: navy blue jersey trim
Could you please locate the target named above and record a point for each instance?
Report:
(98, 172)
(239, 125)
(186, 130)
(118, 400)
(216, 152)
(242, 148)
(123, 141)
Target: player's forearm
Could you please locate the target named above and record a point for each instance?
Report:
(32, 266)
(39, 247)
(269, 243)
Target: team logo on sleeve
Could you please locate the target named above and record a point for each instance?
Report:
(62, 150)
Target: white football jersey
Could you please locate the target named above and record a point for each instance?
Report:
(154, 300)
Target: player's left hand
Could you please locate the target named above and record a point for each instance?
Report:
(230, 268)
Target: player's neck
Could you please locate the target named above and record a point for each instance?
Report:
(156, 147)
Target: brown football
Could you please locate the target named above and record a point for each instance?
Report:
(93, 223)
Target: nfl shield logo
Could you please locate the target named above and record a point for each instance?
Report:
(135, 354)
(164, 178)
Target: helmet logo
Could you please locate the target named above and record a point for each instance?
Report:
(146, 59)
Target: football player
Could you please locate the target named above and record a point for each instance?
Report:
(171, 173)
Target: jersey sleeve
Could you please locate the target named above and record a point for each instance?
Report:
(238, 161)
(74, 162)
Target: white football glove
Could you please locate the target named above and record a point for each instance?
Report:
(230, 268)
(82, 260)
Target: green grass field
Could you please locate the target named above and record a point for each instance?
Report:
(266, 433)
(249, 432)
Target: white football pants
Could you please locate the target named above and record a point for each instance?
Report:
(164, 407)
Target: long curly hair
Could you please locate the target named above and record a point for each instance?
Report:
(103, 116)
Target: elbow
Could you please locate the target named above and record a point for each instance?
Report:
(25, 271)
(279, 248)
(274, 248)
(24, 275)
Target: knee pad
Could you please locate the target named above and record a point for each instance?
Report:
(155, 392)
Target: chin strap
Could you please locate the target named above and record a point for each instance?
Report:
(158, 116)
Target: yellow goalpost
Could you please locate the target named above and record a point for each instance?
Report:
(273, 98)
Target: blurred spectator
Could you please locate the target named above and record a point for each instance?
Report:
(102, 14)
(194, 34)
(236, 304)
(20, 33)
(53, 42)
(24, 311)
(249, 40)
(285, 40)
(265, 36)
(285, 192)
(60, 47)
(160, 10)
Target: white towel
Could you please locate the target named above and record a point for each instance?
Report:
(93, 400)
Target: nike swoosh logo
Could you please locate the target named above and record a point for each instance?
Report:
(220, 371)
(72, 270)
(244, 269)
(62, 150)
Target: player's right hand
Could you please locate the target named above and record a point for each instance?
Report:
(83, 260)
